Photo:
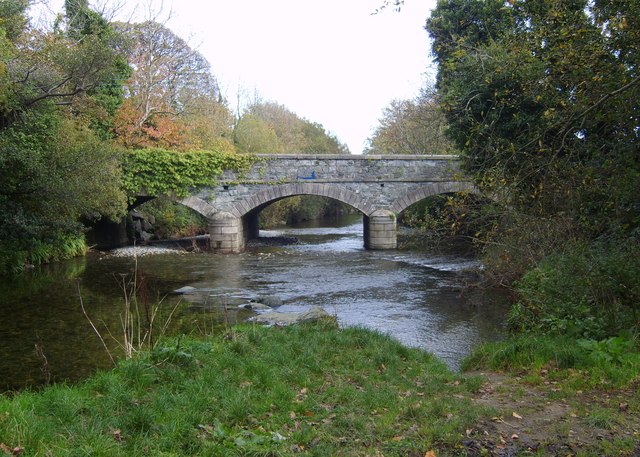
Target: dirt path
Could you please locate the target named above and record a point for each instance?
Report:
(544, 419)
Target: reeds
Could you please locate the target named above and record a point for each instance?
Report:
(139, 326)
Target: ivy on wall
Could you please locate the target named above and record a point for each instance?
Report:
(162, 172)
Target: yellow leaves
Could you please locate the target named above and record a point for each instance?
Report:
(430, 454)
(623, 23)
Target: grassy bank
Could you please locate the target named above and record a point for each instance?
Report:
(320, 391)
(309, 390)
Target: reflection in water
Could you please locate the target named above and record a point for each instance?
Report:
(415, 297)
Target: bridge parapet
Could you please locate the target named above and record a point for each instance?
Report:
(287, 168)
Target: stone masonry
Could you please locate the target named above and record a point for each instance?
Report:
(378, 186)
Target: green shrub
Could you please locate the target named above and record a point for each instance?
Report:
(588, 291)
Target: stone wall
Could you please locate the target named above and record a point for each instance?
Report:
(281, 168)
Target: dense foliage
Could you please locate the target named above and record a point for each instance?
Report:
(162, 172)
(589, 291)
(55, 99)
(543, 100)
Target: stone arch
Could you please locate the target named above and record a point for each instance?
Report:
(278, 192)
(429, 189)
(198, 205)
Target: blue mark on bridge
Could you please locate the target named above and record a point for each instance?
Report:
(311, 176)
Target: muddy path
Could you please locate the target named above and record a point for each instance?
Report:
(547, 419)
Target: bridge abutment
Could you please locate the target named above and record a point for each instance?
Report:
(380, 230)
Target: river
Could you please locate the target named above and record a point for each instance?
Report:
(416, 297)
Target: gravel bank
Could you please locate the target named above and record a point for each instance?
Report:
(141, 251)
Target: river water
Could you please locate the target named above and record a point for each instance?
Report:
(417, 297)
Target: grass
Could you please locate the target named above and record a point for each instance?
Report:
(317, 390)
(580, 364)
(301, 390)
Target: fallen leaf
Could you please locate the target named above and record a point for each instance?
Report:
(515, 437)
(292, 415)
(430, 454)
(397, 438)
(303, 391)
(516, 415)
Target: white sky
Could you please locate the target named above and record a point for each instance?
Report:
(329, 61)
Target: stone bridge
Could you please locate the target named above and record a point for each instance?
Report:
(380, 187)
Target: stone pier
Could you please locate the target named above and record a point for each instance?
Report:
(380, 231)
(226, 233)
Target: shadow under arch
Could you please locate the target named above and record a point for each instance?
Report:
(429, 190)
(265, 197)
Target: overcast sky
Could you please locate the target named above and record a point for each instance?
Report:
(329, 61)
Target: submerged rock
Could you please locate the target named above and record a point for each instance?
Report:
(185, 290)
(315, 313)
(254, 305)
(270, 300)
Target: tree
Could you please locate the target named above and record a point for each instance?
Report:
(295, 134)
(411, 127)
(171, 85)
(54, 168)
(543, 100)
(254, 135)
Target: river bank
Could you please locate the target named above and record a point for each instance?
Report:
(419, 298)
(315, 389)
